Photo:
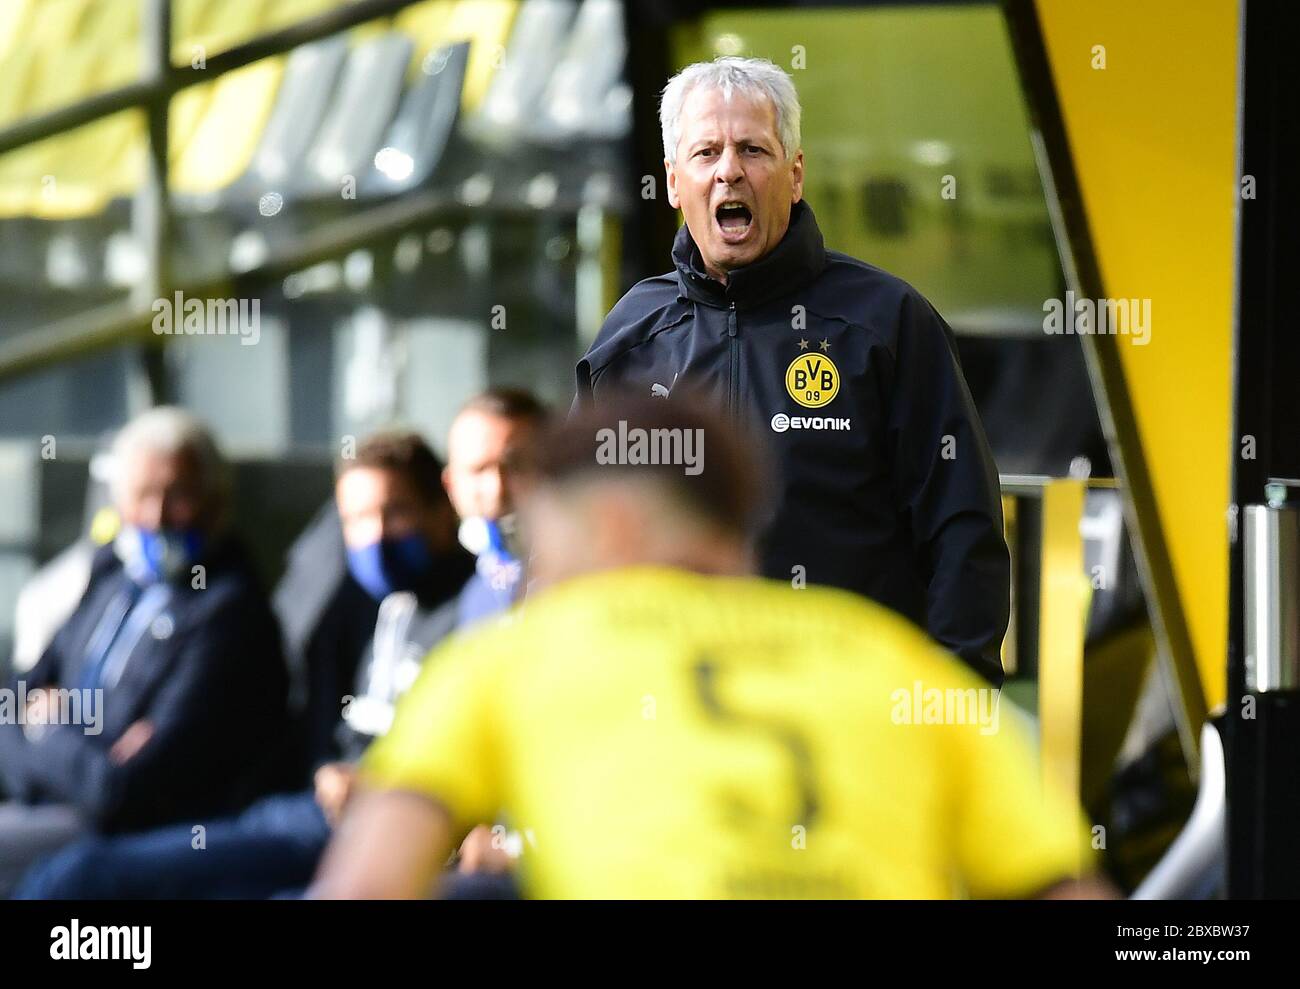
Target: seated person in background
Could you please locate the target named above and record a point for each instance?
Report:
(327, 621)
(659, 723)
(399, 530)
(161, 693)
(324, 620)
(488, 445)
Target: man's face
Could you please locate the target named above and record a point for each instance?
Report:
(376, 504)
(730, 155)
(163, 491)
(485, 454)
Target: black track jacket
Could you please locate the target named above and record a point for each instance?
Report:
(885, 482)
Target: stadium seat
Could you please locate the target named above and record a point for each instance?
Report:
(187, 109)
(192, 17)
(63, 68)
(114, 27)
(92, 164)
(217, 25)
(23, 172)
(52, 24)
(225, 138)
(13, 21)
(208, 27)
(424, 126)
(288, 127)
(540, 32)
(486, 25)
(285, 12)
(292, 95)
(586, 97)
(77, 173)
(364, 101)
(305, 94)
(426, 25)
(16, 70)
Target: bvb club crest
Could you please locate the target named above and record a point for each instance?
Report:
(812, 380)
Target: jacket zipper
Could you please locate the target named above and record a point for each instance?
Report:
(733, 348)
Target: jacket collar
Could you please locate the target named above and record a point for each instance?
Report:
(795, 261)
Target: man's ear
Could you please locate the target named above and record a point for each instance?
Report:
(797, 171)
(673, 199)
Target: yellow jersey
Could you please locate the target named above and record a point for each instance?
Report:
(656, 733)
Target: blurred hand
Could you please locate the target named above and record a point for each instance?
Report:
(333, 787)
(479, 852)
(132, 741)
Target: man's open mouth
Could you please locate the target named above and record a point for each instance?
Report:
(734, 219)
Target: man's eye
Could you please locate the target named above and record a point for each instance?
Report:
(704, 151)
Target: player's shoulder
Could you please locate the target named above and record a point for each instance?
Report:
(648, 308)
(840, 610)
(647, 295)
(707, 601)
(866, 296)
(850, 273)
(679, 603)
(856, 629)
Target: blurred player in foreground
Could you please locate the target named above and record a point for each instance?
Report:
(658, 723)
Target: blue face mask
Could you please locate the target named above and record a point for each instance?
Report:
(390, 565)
(489, 536)
(492, 541)
(153, 555)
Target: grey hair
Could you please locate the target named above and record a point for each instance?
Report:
(755, 77)
(167, 429)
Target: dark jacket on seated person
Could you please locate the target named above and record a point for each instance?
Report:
(275, 845)
(201, 664)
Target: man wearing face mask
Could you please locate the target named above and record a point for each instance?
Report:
(399, 532)
(489, 434)
(166, 687)
(487, 447)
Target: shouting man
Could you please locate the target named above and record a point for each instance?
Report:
(885, 484)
